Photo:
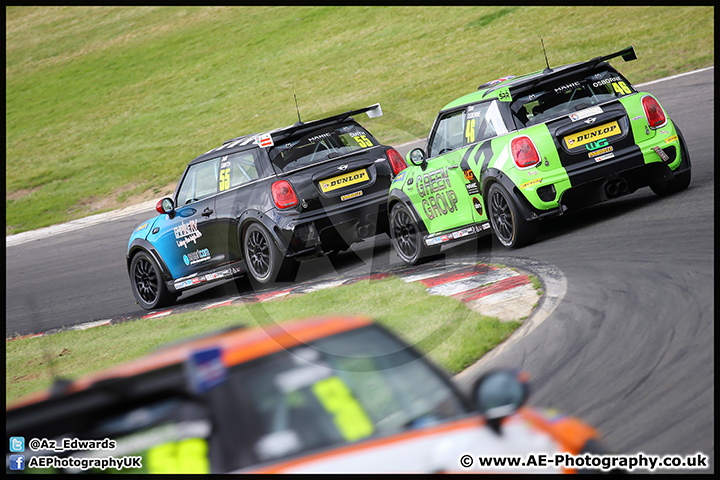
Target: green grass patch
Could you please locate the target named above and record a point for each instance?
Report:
(452, 335)
(106, 100)
(535, 282)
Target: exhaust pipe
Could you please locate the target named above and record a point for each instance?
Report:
(616, 187)
(366, 230)
(622, 187)
(611, 189)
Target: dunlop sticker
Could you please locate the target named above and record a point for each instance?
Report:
(592, 134)
(344, 180)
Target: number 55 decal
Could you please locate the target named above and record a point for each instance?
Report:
(224, 179)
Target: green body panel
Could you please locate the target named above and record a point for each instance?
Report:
(647, 138)
(438, 192)
(550, 171)
(443, 195)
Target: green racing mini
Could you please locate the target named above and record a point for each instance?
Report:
(524, 148)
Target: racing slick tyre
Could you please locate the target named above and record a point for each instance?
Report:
(509, 227)
(406, 236)
(681, 180)
(264, 261)
(147, 283)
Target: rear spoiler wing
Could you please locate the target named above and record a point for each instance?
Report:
(372, 111)
(628, 54)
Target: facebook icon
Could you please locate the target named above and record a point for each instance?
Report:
(17, 462)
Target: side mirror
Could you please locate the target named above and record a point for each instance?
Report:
(416, 156)
(165, 206)
(499, 394)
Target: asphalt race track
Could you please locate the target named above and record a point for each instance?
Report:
(630, 348)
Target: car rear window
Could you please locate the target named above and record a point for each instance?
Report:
(320, 145)
(568, 95)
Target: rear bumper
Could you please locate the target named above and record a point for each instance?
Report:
(323, 231)
(596, 183)
(618, 177)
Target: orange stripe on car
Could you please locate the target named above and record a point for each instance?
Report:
(237, 347)
(465, 423)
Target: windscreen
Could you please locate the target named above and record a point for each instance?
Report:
(339, 389)
(571, 94)
(320, 145)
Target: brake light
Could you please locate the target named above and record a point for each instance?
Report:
(396, 161)
(653, 112)
(283, 194)
(524, 152)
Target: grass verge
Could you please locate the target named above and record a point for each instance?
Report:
(442, 327)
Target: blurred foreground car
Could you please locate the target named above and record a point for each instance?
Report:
(525, 148)
(258, 204)
(332, 394)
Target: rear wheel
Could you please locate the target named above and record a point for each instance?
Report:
(406, 236)
(681, 180)
(510, 228)
(264, 261)
(147, 283)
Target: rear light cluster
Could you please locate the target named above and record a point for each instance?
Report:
(283, 194)
(524, 153)
(396, 161)
(653, 112)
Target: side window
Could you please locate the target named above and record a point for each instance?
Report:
(237, 169)
(448, 135)
(201, 181)
(483, 121)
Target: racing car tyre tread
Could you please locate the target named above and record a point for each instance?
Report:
(509, 227)
(265, 263)
(147, 283)
(406, 236)
(681, 180)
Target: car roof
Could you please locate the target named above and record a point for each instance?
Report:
(492, 90)
(279, 134)
(238, 345)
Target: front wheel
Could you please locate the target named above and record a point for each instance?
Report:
(147, 283)
(264, 261)
(510, 228)
(406, 236)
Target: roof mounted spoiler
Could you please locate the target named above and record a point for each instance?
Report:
(627, 54)
(372, 111)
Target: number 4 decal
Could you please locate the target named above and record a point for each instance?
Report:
(470, 131)
(621, 88)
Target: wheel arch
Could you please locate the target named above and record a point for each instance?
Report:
(401, 197)
(255, 216)
(494, 175)
(142, 245)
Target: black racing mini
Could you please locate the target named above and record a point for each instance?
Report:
(260, 203)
